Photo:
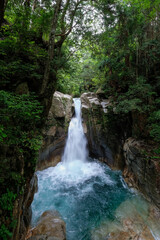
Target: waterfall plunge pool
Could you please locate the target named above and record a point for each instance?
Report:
(87, 195)
(91, 198)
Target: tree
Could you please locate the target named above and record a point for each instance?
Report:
(69, 10)
(131, 46)
(51, 45)
(3, 5)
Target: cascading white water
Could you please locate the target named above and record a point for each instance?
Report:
(76, 143)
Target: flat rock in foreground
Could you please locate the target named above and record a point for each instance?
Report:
(50, 227)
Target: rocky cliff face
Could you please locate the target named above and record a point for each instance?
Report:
(22, 209)
(55, 132)
(103, 142)
(142, 171)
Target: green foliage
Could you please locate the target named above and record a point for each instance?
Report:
(136, 98)
(19, 114)
(20, 117)
(22, 54)
(155, 132)
(6, 201)
(154, 122)
(24, 51)
(24, 63)
(130, 61)
(4, 232)
(81, 73)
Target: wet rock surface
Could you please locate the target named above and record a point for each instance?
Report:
(50, 227)
(131, 235)
(142, 171)
(55, 132)
(133, 222)
(102, 143)
(133, 229)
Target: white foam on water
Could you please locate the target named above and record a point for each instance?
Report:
(73, 173)
(74, 168)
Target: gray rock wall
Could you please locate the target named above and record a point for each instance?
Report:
(55, 132)
(142, 171)
(102, 143)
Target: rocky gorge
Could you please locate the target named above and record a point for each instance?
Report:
(118, 149)
(114, 147)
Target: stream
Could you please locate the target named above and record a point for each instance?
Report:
(91, 198)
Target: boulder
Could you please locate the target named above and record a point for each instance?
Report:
(61, 106)
(50, 227)
(89, 100)
(22, 88)
(55, 132)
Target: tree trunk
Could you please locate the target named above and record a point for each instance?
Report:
(51, 46)
(35, 2)
(2, 8)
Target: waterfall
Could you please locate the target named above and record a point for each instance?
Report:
(75, 148)
(87, 193)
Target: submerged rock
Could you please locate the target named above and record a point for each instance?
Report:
(131, 235)
(134, 220)
(133, 229)
(50, 227)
